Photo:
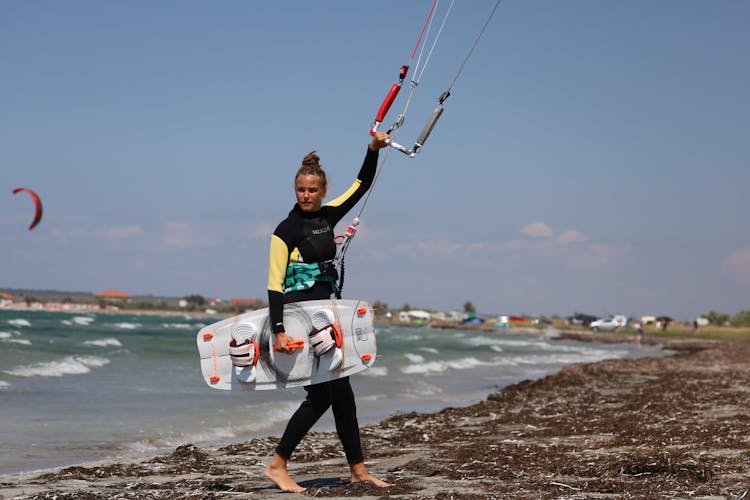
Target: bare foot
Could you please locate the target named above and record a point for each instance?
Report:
(277, 472)
(359, 473)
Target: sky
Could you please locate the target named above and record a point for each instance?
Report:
(592, 156)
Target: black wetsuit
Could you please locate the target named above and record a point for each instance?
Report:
(308, 237)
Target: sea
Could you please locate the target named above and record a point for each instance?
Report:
(79, 388)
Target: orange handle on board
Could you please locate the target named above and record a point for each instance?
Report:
(294, 344)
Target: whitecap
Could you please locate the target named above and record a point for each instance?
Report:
(443, 366)
(70, 365)
(479, 341)
(376, 371)
(127, 326)
(83, 320)
(5, 335)
(432, 367)
(66, 322)
(414, 358)
(17, 341)
(420, 390)
(104, 342)
(19, 322)
(4, 385)
(413, 337)
(464, 363)
(178, 326)
(429, 349)
(584, 356)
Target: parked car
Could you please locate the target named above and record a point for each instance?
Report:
(611, 322)
(581, 319)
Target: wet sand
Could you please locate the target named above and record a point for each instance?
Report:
(668, 427)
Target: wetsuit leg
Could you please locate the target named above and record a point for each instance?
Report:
(336, 393)
(316, 403)
(345, 412)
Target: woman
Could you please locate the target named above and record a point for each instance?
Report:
(302, 248)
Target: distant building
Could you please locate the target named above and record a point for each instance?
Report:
(648, 320)
(113, 295)
(6, 299)
(243, 302)
(415, 316)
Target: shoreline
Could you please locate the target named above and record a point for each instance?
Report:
(636, 428)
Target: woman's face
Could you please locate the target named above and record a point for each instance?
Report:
(310, 192)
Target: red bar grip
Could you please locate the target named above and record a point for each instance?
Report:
(387, 102)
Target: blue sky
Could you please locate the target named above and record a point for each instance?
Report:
(592, 156)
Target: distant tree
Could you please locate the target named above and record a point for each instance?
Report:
(195, 301)
(716, 318)
(406, 307)
(469, 307)
(742, 318)
(380, 308)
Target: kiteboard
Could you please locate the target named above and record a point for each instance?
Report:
(331, 339)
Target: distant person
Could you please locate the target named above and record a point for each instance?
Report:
(695, 326)
(639, 337)
(302, 249)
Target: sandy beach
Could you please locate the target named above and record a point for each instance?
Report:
(667, 427)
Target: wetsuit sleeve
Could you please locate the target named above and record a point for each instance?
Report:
(338, 207)
(277, 264)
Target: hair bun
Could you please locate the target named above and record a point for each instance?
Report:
(311, 160)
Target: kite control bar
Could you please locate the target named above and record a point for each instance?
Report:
(426, 130)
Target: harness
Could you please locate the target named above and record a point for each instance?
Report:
(303, 275)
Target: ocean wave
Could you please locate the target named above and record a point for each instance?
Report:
(6, 335)
(83, 320)
(16, 341)
(483, 341)
(104, 342)
(70, 365)
(376, 371)
(264, 417)
(3, 385)
(420, 390)
(20, 322)
(518, 343)
(127, 326)
(414, 358)
(411, 337)
(149, 446)
(179, 326)
(443, 366)
(585, 356)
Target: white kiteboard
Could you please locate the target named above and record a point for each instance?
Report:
(346, 323)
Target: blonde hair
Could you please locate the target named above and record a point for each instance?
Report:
(311, 166)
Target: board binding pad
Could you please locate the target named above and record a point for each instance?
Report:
(301, 367)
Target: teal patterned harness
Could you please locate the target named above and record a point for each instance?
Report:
(302, 276)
